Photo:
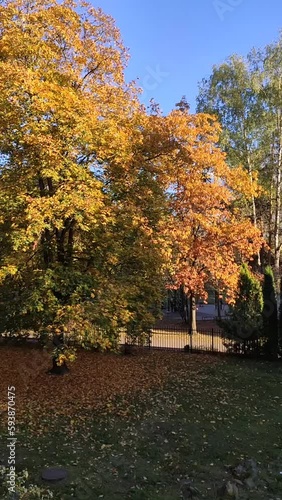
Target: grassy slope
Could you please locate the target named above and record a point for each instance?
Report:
(135, 427)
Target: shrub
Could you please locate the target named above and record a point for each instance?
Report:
(244, 321)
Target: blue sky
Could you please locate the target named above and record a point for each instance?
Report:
(174, 44)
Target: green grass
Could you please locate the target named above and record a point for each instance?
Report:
(142, 446)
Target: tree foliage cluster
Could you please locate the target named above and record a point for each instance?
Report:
(104, 202)
(253, 315)
(245, 94)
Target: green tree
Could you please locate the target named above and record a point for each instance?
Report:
(230, 94)
(244, 320)
(269, 313)
(245, 94)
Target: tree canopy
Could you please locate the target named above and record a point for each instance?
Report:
(103, 203)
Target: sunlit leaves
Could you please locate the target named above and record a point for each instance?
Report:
(211, 236)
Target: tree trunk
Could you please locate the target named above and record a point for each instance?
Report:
(58, 341)
(193, 314)
(184, 305)
(217, 303)
(186, 309)
(254, 210)
(60, 239)
(64, 240)
(277, 244)
(69, 252)
(46, 236)
(219, 308)
(58, 370)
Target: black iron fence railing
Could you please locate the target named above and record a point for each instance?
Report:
(198, 341)
(177, 339)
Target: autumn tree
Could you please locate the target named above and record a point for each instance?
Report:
(100, 198)
(211, 237)
(78, 251)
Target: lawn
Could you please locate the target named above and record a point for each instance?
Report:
(139, 427)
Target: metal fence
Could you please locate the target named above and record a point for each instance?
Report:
(180, 339)
(210, 341)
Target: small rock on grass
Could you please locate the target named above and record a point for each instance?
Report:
(228, 490)
(188, 490)
(54, 474)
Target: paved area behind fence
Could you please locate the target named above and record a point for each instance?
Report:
(203, 341)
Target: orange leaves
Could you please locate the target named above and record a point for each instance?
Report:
(94, 380)
(102, 187)
(210, 237)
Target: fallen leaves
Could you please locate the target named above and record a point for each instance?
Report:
(135, 427)
(94, 382)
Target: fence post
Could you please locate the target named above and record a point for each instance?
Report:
(212, 340)
(190, 333)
